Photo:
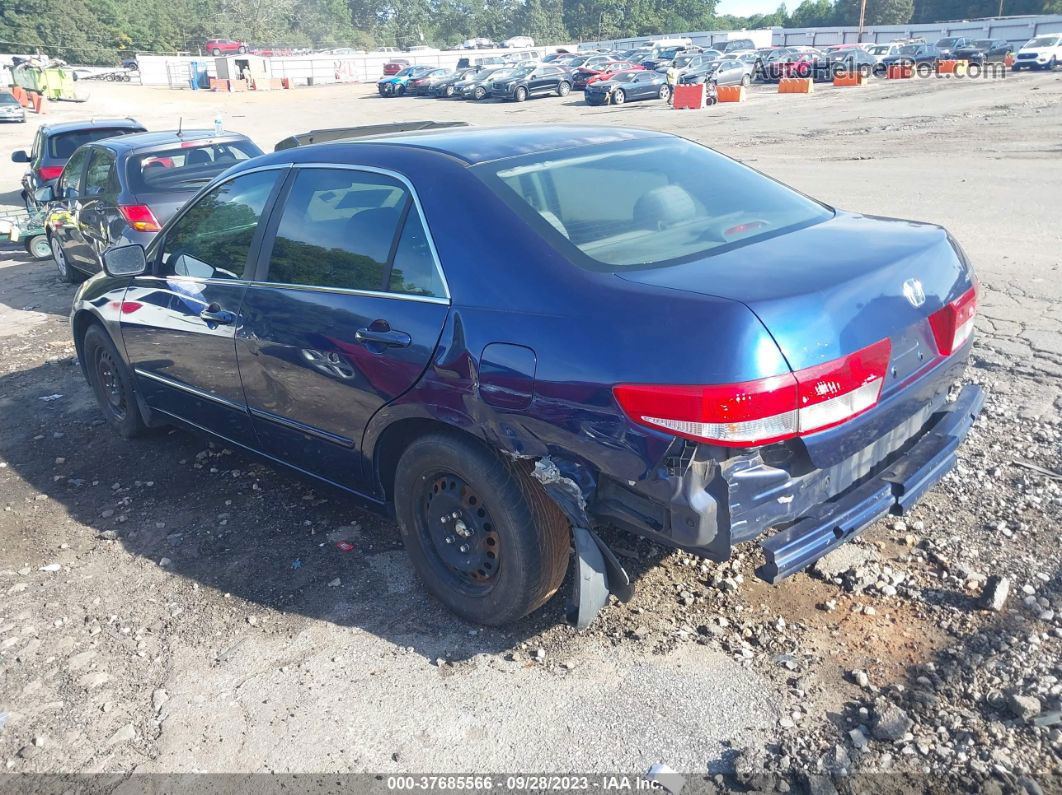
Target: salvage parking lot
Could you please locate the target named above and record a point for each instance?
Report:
(174, 606)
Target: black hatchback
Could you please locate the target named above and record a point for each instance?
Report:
(55, 143)
(122, 190)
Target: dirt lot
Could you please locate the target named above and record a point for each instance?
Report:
(166, 605)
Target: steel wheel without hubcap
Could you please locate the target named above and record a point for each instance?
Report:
(458, 533)
(108, 384)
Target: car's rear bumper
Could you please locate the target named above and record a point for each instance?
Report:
(892, 491)
(706, 503)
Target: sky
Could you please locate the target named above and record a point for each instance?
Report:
(742, 8)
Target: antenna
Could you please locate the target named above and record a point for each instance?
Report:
(180, 125)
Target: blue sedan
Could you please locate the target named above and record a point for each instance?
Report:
(441, 324)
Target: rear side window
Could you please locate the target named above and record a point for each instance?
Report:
(62, 145)
(99, 177)
(212, 240)
(353, 230)
(70, 180)
(669, 201)
(186, 167)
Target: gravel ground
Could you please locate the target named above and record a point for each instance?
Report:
(172, 606)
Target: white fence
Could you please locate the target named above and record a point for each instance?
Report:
(1016, 30)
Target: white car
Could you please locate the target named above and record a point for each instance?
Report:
(518, 42)
(1043, 52)
(881, 51)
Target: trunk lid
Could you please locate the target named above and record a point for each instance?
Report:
(833, 288)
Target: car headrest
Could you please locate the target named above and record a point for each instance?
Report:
(199, 157)
(663, 207)
(370, 232)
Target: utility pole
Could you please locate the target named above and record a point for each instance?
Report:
(1000, 9)
(863, 16)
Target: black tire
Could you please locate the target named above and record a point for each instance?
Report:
(746, 80)
(66, 273)
(618, 97)
(508, 548)
(564, 88)
(1052, 65)
(448, 91)
(215, 52)
(243, 50)
(479, 93)
(664, 93)
(112, 383)
(520, 94)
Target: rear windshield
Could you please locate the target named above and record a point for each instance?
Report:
(669, 201)
(185, 167)
(62, 145)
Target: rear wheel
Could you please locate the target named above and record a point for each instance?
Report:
(746, 80)
(243, 50)
(112, 383)
(215, 52)
(521, 94)
(618, 97)
(564, 88)
(449, 91)
(664, 93)
(483, 535)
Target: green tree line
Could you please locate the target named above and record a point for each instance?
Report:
(101, 31)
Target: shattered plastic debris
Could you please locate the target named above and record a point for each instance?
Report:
(49, 398)
(666, 777)
(345, 546)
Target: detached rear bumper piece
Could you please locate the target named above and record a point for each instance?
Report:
(893, 491)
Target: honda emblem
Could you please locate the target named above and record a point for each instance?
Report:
(913, 292)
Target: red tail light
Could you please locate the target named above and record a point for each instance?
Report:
(953, 323)
(49, 172)
(767, 410)
(140, 217)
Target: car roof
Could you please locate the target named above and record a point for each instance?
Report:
(71, 126)
(480, 144)
(147, 140)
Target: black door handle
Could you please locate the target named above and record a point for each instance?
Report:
(382, 335)
(215, 314)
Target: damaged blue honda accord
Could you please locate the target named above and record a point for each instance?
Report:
(439, 323)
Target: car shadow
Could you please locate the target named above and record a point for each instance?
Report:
(23, 288)
(234, 524)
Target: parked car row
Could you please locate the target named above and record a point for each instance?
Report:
(104, 183)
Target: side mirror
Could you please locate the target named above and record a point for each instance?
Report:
(125, 261)
(19, 156)
(44, 195)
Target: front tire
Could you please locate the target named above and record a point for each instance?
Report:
(664, 93)
(215, 52)
(521, 94)
(564, 88)
(482, 533)
(479, 93)
(618, 97)
(746, 80)
(112, 383)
